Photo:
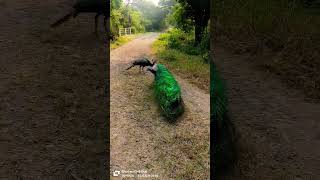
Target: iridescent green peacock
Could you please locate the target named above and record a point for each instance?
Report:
(222, 128)
(167, 91)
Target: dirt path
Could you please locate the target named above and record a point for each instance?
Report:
(279, 132)
(141, 139)
(52, 107)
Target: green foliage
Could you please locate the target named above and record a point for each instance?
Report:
(191, 67)
(195, 11)
(122, 16)
(116, 4)
(217, 96)
(168, 55)
(140, 15)
(179, 18)
(115, 21)
(153, 15)
(184, 42)
(168, 93)
(137, 22)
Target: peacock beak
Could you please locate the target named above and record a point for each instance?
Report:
(151, 70)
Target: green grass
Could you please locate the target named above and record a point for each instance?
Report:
(175, 57)
(122, 40)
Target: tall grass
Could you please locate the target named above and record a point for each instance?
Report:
(177, 50)
(283, 28)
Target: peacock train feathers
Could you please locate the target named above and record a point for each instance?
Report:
(222, 128)
(167, 91)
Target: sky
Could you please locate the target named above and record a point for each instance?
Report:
(155, 1)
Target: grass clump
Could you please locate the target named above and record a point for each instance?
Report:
(176, 50)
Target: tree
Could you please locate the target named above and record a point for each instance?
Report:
(179, 18)
(123, 15)
(199, 12)
(153, 14)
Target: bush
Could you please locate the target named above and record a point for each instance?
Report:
(176, 50)
(184, 42)
(168, 55)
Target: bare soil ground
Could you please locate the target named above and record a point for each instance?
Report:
(141, 139)
(53, 111)
(279, 132)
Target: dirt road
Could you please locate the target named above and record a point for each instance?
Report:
(141, 139)
(279, 132)
(52, 108)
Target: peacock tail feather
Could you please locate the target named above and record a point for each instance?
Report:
(222, 128)
(168, 93)
(217, 95)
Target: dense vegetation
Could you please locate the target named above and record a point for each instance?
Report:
(197, 12)
(176, 50)
(140, 15)
(184, 48)
(285, 31)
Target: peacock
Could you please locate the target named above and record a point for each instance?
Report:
(143, 62)
(100, 7)
(222, 129)
(167, 91)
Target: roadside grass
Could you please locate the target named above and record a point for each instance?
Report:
(122, 40)
(181, 57)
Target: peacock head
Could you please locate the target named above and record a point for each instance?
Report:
(153, 69)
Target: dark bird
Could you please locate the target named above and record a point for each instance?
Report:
(87, 6)
(142, 63)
